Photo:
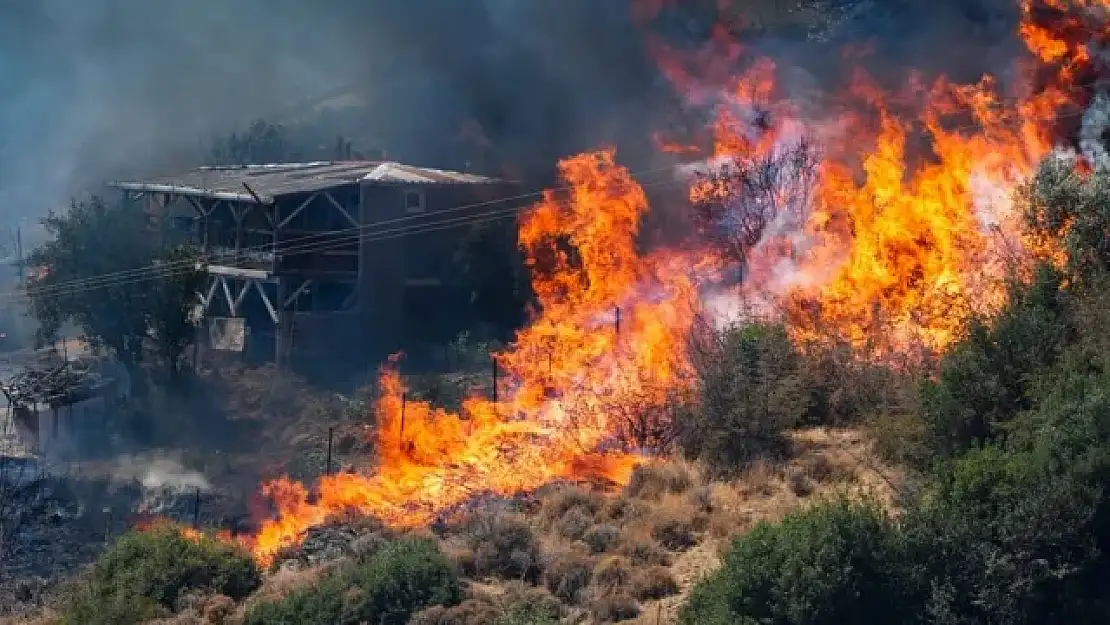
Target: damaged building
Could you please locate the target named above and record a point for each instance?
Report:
(326, 263)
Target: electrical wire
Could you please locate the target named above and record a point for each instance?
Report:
(170, 269)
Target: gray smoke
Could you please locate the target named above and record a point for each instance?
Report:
(92, 90)
(98, 89)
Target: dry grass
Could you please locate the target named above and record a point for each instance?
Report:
(630, 556)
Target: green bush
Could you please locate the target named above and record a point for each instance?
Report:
(984, 381)
(836, 563)
(1007, 541)
(144, 573)
(750, 392)
(399, 580)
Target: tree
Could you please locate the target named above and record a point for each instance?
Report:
(107, 272)
(172, 323)
(264, 142)
(743, 199)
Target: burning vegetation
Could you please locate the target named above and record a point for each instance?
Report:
(885, 222)
(905, 236)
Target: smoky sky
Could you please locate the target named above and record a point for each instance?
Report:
(93, 89)
(96, 89)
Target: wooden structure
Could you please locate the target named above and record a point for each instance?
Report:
(319, 259)
(48, 399)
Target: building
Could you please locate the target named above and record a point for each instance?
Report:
(329, 261)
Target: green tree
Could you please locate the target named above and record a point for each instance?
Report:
(173, 303)
(750, 391)
(106, 271)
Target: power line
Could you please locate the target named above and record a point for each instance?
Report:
(165, 270)
(307, 240)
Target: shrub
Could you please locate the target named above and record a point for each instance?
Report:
(567, 575)
(504, 546)
(984, 381)
(1013, 541)
(615, 608)
(364, 548)
(834, 563)
(402, 578)
(750, 392)
(469, 612)
(574, 524)
(557, 504)
(644, 552)
(623, 509)
(601, 538)
(144, 573)
(612, 575)
(675, 532)
(531, 607)
(653, 582)
(653, 480)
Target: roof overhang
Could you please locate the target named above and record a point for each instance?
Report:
(190, 191)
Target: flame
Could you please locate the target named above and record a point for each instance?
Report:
(899, 243)
(901, 231)
(609, 333)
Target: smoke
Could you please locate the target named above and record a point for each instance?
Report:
(94, 91)
(97, 90)
(159, 473)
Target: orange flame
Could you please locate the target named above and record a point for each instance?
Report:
(563, 371)
(907, 232)
(901, 243)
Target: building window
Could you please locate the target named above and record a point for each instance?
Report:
(414, 201)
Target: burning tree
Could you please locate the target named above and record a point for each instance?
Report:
(741, 200)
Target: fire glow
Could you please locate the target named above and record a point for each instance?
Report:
(889, 250)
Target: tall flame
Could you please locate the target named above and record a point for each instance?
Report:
(903, 231)
(571, 363)
(910, 226)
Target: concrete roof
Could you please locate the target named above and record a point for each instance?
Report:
(274, 180)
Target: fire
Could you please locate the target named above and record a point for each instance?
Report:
(609, 331)
(910, 227)
(881, 218)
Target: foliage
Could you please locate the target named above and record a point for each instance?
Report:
(984, 380)
(834, 563)
(171, 323)
(750, 391)
(264, 142)
(94, 239)
(1012, 523)
(1062, 204)
(144, 573)
(399, 580)
(566, 575)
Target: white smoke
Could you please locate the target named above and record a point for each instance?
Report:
(1096, 122)
(160, 473)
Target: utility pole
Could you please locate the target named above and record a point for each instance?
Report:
(327, 465)
(19, 254)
